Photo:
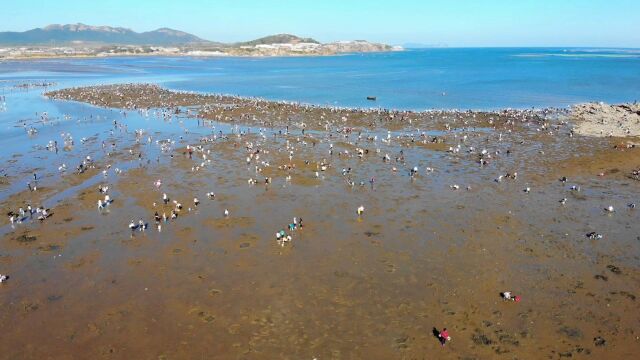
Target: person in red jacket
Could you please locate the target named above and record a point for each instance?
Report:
(444, 336)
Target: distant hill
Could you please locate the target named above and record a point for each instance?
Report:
(278, 39)
(74, 33)
(86, 40)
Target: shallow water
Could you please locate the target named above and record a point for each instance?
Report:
(82, 285)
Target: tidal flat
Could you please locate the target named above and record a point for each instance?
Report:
(459, 206)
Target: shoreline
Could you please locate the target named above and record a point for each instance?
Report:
(226, 96)
(622, 120)
(258, 112)
(199, 53)
(62, 57)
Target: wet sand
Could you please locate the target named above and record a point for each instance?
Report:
(599, 119)
(264, 113)
(424, 254)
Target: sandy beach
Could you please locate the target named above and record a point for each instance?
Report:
(458, 207)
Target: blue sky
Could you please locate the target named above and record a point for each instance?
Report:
(597, 23)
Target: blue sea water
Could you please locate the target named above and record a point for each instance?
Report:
(413, 79)
(479, 79)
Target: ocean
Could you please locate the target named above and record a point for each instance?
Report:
(479, 79)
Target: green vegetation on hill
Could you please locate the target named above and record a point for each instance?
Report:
(278, 39)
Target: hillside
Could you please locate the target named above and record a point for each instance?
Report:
(278, 39)
(81, 33)
(85, 40)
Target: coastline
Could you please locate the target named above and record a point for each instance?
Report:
(589, 119)
(275, 50)
(223, 55)
(233, 109)
(86, 56)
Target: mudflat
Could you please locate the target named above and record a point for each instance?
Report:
(458, 208)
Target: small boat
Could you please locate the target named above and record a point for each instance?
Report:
(372, 98)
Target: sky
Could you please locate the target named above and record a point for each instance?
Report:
(455, 23)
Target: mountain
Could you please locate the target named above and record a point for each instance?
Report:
(85, 40)
(278, 39)
(74, 33)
